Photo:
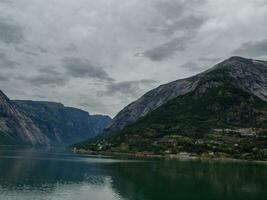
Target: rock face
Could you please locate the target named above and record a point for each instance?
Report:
(63, 125)
(45, 123)
(16, 127)
(248, 74)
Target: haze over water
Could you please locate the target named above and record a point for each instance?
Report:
(28, 174)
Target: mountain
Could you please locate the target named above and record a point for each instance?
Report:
(16, 127)
(46, 123)
(250, 75)
(220, 112)
(63, 125)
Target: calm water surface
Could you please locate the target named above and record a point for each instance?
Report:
(28, 174)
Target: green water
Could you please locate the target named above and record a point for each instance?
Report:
(49, 175)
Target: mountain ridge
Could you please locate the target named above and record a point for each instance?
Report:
(44, 123)
(63, 124)
(224, 114)
(163, 93)
(16, 127)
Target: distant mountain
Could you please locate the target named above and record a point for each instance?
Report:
(16, 127)
(63, 125)
(45, 123)
(222, 111)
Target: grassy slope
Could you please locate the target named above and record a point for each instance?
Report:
(187, 123)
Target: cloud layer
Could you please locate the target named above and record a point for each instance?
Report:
(253, 48)
(101, 55)
(84, 68)
(10, 31)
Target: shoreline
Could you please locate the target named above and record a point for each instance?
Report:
(146, 155)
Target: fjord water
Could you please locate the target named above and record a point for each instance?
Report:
(27, 174)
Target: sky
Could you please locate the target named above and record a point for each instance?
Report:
(102, 55)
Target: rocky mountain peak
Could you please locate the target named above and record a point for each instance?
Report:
(3, 97)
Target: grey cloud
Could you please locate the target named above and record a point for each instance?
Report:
(6, 2)
(80, 68)
(172, 9)
(187, 27)
(128, 88)
(166, 50)
(49, 70)
(110, 34)
(5, 62)
(71, 48)
(32, 50)
(177, 16)
(46, 76)
(10, 31)
(42, 49)
(257, 48)
(200, 64)
(210, 60)
(75, 67)
(92, 104)
(4, 78)
(26, 51)
(190, 66)
(42, 79)
(179, 21)
(189, 24)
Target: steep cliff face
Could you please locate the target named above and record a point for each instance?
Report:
(247, 74)
(16, 127)
(45, 123)
(63, 125)
(150, 101)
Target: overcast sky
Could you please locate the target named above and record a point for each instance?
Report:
(100, 55)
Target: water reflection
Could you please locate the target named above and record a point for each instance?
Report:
(192, 180)
(27, 174)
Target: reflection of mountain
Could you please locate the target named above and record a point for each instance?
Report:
(29, 167)
(49, 175)
(31, 175)
(189, 180)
